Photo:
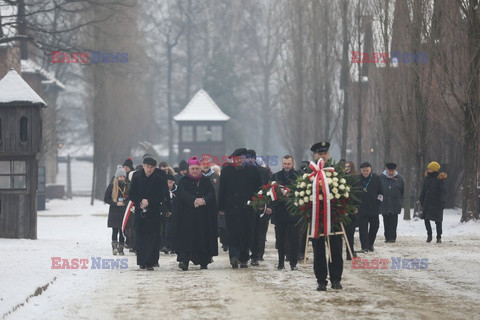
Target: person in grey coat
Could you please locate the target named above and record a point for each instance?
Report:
(393, 192)
(369, 209)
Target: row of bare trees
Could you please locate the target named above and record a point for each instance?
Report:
(283, 71)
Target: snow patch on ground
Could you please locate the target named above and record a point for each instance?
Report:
(448, 288)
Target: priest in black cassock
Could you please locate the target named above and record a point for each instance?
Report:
(239, 181)
(196, 218)
(148, 192)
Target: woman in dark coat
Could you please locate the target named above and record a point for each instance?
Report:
(432, 199)
(116, 196)
(196, 218)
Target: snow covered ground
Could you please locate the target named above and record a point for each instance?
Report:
(31, 289)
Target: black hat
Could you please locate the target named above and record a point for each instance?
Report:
(239, 152)
(365, 165)
(321, 146)
(128, 163)
(170, 177)
(391, 166)
(251, 153)
(183, 165)
(148, 159)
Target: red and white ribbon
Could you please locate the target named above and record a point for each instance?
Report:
(128, 211)
(273, 192)
(318, 173)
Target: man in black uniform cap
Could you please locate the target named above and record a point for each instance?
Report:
(335, 268)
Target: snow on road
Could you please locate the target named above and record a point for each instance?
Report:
(448, 288)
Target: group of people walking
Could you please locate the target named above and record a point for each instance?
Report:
(185, 212)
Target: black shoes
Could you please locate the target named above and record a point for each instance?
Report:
(183, 265)
(281, 266)
(322, 287)
(244, 264)
(254, 262)
(293, 268)
(234, 263)
(371, 249)
(143, 267)
(156, 265)
(149, 268)
(429, 238)
(203, 266)
(336, 285)
(439, 240)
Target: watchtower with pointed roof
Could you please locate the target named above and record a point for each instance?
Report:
(20, 143)
(201, 127)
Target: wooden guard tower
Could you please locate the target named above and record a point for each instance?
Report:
(20, 143)
(202, 127)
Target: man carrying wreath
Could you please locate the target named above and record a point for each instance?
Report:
(335, 268)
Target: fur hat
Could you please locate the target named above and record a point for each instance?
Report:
(120, 172)
(238, 152)
(148, 159)
(434, 166)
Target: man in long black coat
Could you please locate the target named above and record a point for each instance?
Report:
(238, 183)
(285, 223)
(261, 225)
(369, 210)
(196, 225)
(148, 192)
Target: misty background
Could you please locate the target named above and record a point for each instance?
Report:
(281, 69)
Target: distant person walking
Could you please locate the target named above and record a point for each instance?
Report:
(116, 196)
(432, 198)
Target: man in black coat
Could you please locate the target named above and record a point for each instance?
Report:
(238, 183)
(393, 191)
(261, 225)
(182, 167)
(370, 200)
(196, 218)
(148, 192)
(285, 223)
(432, 199)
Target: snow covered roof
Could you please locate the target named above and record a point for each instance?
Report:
(28, 66)
(201, 108)
(15, 91)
